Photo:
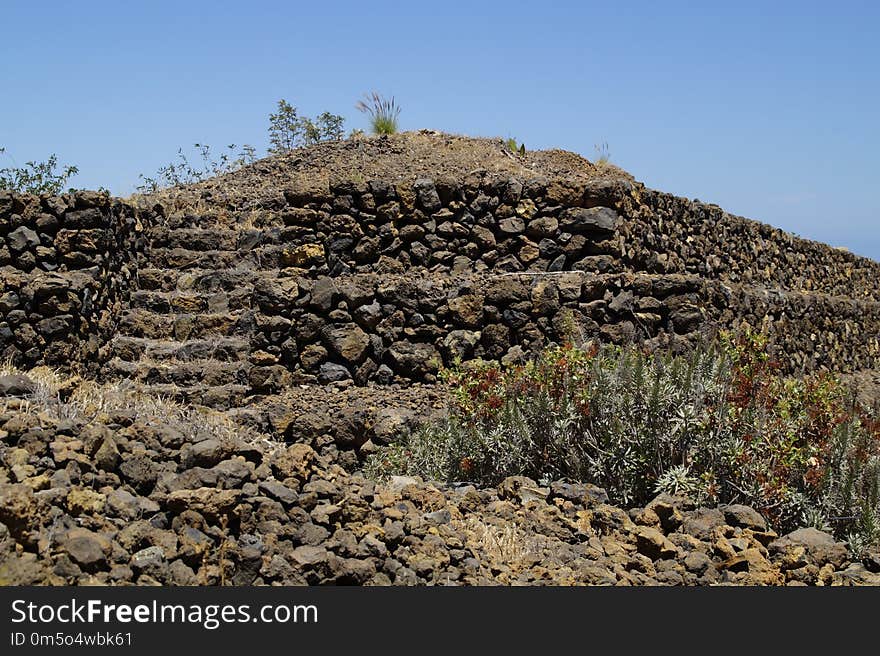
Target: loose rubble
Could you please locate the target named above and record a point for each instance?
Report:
(129, 498)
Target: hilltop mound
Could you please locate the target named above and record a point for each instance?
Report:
(392, 158)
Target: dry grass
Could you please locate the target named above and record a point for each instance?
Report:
(64, 396)
(506, 543)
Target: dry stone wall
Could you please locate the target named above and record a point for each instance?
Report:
(378, 280)
(372, 281)
(672, 234)
(66, 268)
(372, 327)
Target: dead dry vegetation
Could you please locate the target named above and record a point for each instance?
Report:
(65, 396)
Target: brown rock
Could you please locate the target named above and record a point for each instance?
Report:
(808, 546)
(545, 226)
(652, 543)
(701, 522)
(347, 341)
(745, 517)
(593, 219)
(296, 461)
(483, 237)
(759, 569)
(414, 360)
(309, 556)
(210, 502)
(16, 385)
(107, 454)
(84, 501)
(19, 510)
(302, 256)
(667, 509)
(86, 548)
(467, 310)
(545, 297)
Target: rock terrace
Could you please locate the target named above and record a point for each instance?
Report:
(310, 301)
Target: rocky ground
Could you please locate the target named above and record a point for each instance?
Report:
(106, 485)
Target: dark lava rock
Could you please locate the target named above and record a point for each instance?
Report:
(594, 219)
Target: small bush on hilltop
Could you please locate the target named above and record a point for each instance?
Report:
(289, 130)
(383, 113)
(37, 177)
(720, 425)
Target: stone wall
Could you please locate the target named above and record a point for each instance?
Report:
(486, 268)
(65, 264)
(372, 327)
(509, 225)
(373, 281)
(671, 234)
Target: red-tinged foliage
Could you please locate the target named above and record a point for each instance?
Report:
(624, 418)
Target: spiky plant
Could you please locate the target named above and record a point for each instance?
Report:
(383, 112)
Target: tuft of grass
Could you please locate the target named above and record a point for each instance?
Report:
(383, 112)
(719, 424)
(514, 147)
(603, 156)
(505, 543)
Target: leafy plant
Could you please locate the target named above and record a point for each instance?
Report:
(327, 127)
(183, 172)
(679, 481)
(284, 128)
(289, 130)
(718, 424)
(383, 113)
(37, 177)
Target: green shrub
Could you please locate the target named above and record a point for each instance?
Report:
(284, 128)
(327, 127)
(37, 177)
(289, 130)
(383, 113)
(718, 424)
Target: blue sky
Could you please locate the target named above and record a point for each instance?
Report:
(769, 109)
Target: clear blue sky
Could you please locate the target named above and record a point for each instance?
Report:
(769, 109)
